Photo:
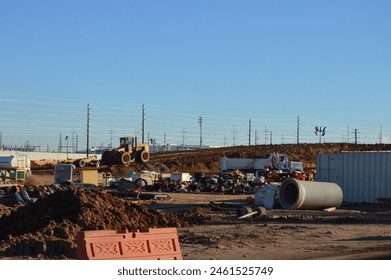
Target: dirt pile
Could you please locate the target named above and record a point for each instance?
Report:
(48, 227)
(207, 160)
(4, 210)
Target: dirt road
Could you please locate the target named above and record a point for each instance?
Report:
(281, 234)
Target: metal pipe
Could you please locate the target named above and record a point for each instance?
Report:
(296, 194)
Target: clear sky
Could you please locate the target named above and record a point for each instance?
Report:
(328, 62)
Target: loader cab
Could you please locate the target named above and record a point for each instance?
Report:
(128, 143)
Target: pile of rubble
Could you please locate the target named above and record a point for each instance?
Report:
(48, 227)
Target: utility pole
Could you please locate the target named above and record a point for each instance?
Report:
(233, 136)
(271, 134)
(149, 139)
(60, 144)
(111, 138)
(256, 137)
(380, 138)
(142, 123)
(348, 134)
(355, 136)
(298, 130)
(200, 123)
(183, 138)
(73, 141)
(88, 130)
(66, 138)
(164, 142)
(266, 134)
(249, 132)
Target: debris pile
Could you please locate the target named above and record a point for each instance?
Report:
(48, 227)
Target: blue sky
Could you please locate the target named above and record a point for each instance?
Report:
(328, 62)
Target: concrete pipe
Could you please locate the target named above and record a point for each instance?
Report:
(295, 194)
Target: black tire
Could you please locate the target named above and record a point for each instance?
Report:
(108, 157)
(141, 183)
(123, 158)
(142, 156)
(82, 163)
(132, 157)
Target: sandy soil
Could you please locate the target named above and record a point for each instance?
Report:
(208, 227)
(282, 234)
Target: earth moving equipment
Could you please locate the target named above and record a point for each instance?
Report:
(85, 162)
(274, 167)
(128, 151)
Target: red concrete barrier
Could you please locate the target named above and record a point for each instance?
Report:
(151, 244)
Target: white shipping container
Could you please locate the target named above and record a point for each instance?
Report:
(363, 176)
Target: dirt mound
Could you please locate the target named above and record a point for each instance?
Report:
(4, 210)
(48, 227)
(207, 160)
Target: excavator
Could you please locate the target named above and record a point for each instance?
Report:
(127, 152)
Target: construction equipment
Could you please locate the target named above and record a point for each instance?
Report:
(128, 151)
(91, 161)
(274, 167)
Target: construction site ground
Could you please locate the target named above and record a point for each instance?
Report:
(208, 228)
(208, 224)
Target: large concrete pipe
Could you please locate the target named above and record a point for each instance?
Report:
(295, 194)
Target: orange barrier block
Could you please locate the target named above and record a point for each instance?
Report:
(151, 244)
